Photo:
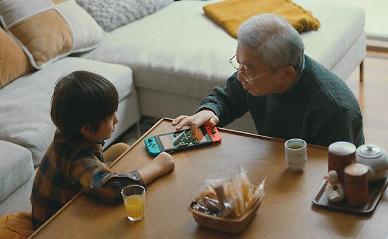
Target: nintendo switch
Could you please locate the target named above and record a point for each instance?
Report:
(181, 140)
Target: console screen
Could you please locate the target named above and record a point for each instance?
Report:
(181, 139)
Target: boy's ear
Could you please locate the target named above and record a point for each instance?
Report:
(86, 131)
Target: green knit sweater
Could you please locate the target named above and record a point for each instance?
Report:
(318, 108)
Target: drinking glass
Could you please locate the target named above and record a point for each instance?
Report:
(134, 200)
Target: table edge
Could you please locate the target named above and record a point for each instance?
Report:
(231, 131)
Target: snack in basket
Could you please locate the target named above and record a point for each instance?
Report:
(246, 187)
(228, 205)
(229, 198)
(208, 192)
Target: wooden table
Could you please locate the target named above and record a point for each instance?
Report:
(286, 211)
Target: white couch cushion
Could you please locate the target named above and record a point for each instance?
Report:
(30, 96)
(179, 50)
(15, 167)
(341, 27)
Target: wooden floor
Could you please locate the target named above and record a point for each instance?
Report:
(372, 95)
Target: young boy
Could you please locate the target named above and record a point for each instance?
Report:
(83, 109)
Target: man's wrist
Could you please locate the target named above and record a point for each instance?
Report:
(201, 108)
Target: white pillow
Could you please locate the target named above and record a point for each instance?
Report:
(111, 14)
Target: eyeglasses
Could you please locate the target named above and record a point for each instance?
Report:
(237, 66)
(234, 63)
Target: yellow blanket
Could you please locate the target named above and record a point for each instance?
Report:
(230, 14)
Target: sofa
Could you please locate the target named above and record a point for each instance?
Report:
(186, 54)
(162, 66)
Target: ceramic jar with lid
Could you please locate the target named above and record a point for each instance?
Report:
(375, 158)
(341, 154)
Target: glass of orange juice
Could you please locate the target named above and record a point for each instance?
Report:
(134, 199)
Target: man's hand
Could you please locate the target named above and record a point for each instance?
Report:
(203, 117)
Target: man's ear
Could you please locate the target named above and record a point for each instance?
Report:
(289, 72)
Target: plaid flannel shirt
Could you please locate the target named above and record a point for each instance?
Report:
(69, 167)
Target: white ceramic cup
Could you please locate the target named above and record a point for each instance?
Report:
(295, 151)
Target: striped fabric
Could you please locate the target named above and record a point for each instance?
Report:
(69, 167)
(49, 29)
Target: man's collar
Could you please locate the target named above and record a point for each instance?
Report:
(301, 68)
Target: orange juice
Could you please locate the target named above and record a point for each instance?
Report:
(135, 207)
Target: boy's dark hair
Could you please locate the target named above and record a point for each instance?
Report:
(82, 98)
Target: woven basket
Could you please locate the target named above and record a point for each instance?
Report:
(230, 225)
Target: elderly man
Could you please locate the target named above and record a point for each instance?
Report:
(288, 94)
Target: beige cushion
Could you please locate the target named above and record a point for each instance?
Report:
(13, 61)
(48, 30)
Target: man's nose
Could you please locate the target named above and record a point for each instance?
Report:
(240, 77)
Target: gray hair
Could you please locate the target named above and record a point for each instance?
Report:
(275, 41)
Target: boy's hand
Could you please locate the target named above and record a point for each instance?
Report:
(165, 162)
(203, 117)
(160, 166)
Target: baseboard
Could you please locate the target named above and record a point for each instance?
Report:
(377, 42)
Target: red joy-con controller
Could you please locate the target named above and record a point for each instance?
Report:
(213, 133)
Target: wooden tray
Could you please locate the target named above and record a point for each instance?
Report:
(376, 190)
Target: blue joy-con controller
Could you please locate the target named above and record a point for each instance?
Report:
(152, 146)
